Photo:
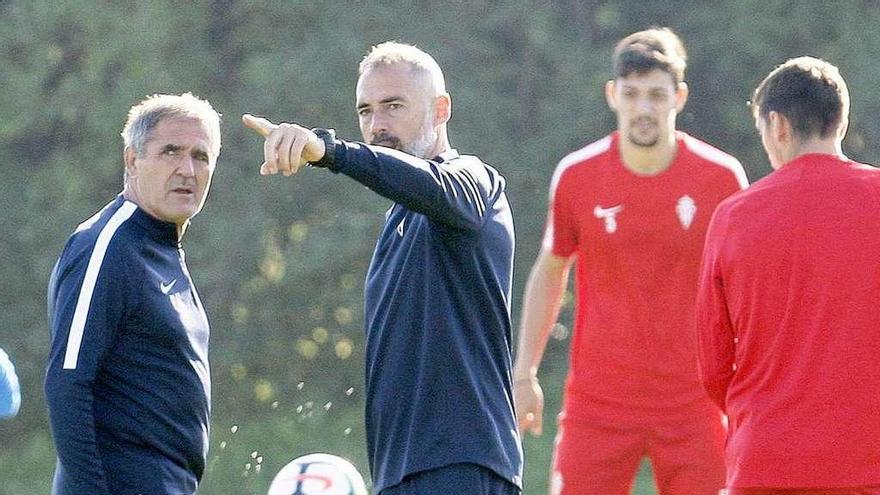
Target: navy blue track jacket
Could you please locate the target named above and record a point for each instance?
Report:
(127, 382)
(437, 299)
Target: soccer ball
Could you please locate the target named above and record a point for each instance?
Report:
(318, 474)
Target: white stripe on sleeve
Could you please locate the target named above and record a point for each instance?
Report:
(77, 326)
(578, 157)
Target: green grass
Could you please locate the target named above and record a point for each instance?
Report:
(26, 467)
(247, 451)
(645, 481)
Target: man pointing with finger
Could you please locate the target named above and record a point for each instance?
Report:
(439, 412)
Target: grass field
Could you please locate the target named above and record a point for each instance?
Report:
(26, 469)
(246, 452)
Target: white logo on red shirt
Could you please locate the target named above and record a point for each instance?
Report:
(608, 214)
(686, 209)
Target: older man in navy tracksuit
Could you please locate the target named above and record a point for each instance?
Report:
(127, 383)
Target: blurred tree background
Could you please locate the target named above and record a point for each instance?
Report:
(280, 262)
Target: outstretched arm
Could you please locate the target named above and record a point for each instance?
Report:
(458, 194)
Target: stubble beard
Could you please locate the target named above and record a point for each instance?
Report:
(648, 141)
(421, 147)
(424, 144)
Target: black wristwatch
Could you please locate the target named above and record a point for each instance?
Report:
(329, 138)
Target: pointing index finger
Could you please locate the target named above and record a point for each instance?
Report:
(259, 124)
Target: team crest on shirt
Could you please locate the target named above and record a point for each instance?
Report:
(609, 215)
(686, 209)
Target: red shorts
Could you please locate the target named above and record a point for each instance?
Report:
(867, 490)
(593, 458)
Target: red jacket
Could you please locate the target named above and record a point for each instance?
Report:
(789, 325)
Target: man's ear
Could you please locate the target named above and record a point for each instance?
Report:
(780, 127)
(442, 109)
(129, 157)
(681, 96)
(610, 96)
(842, 128)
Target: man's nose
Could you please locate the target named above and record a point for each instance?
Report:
(644, 105)
(378, 123)
(187, 166)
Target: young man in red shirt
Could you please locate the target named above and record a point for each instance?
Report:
(788, 327)
(632, 209)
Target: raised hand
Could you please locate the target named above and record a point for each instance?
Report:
(287, 147)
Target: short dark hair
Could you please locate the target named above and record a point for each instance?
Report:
(644, 51)
(809, 92)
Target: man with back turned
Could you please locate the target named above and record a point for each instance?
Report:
(788, 327)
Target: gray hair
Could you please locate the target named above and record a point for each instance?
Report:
(146, 115)
(392, 52)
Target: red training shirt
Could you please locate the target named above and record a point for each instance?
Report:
(789, 326)
(638, 241)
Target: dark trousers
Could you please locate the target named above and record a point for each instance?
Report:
(470, 479)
